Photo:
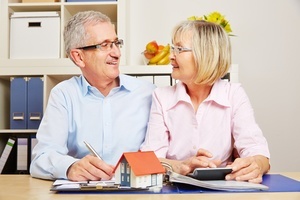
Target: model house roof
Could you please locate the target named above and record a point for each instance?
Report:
(143, 163)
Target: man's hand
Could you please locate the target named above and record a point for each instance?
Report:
(249, 169)
(90, 168)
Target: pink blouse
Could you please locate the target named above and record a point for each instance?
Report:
(224, 120)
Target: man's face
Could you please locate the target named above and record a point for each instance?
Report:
(101, 64)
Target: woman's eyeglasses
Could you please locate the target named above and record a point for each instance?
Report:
(177, 50)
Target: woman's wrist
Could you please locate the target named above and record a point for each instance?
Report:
(263, 162)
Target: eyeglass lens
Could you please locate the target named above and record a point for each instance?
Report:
(105, 46)
(178, 50)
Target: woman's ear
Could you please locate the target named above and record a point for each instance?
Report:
(77, 57)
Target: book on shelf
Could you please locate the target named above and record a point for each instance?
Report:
(6, 152)
(22, 154)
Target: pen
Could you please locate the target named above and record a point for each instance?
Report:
(92, 150)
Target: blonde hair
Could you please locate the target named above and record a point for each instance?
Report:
(210, 46)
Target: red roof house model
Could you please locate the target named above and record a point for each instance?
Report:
(139, 169)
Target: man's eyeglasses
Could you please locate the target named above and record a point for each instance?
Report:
(177, 50)
(104, 46)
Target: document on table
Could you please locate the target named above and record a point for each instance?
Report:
(88, 186)
(216, 184)
(62, 184)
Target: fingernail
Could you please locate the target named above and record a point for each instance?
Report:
(227, 177)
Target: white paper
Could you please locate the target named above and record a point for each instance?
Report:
(67, 182)
(68, 186)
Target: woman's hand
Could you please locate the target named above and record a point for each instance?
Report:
(200, 160)
(249, 169)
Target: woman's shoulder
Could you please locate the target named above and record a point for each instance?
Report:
(229, 87)
(234, 92)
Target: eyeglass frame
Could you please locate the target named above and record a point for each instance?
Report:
(179, 49)
(118, 43)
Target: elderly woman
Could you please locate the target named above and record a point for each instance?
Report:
(202, 119)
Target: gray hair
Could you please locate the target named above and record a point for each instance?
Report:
(75, 34)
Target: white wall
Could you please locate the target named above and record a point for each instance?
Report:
(267, 50)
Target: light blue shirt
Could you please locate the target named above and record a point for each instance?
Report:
(78, 112)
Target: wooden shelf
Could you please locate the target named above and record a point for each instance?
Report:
(16, 131)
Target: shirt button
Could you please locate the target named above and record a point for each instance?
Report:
(194, 147)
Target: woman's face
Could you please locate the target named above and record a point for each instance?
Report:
(182, 60)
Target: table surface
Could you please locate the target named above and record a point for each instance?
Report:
(25, 187)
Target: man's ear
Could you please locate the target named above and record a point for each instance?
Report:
(77, 57)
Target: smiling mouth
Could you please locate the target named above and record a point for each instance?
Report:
(112, 63)
(175, 66)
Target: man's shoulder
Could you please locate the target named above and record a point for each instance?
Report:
(67, 84)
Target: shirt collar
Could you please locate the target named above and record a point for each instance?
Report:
(124, 84)
(85, 85)
(180, 94)
(218, 94)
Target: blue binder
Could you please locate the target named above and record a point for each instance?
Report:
(18, 102)
(34, 102)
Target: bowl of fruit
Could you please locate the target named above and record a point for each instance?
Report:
(156, 54)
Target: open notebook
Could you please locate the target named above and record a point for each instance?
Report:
(216, 184)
